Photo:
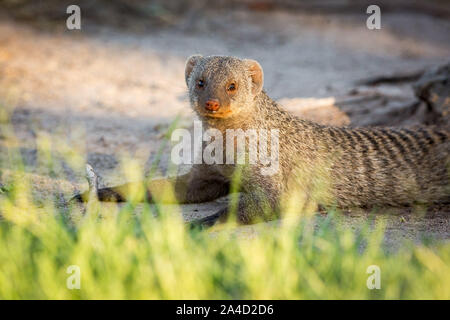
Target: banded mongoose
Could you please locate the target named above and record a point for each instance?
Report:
(318, 165)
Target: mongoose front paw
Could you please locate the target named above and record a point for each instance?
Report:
(209, 221)
(104, 194)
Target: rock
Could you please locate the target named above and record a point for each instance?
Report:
(433, 88)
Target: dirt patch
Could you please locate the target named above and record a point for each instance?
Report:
(112, 93)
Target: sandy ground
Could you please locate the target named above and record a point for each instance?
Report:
(111, 93)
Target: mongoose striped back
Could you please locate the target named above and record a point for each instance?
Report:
(390, 166)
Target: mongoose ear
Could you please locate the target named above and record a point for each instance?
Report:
(256, 72)
(190, 64)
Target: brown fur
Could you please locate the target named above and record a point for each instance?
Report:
(324, 165)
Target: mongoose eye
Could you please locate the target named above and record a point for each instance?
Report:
(231, 87)
(200, 83)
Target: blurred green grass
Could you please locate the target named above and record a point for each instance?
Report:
(125, 254)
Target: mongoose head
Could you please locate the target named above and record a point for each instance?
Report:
(222, 87)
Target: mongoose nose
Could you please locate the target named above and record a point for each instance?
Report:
(212, 105)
